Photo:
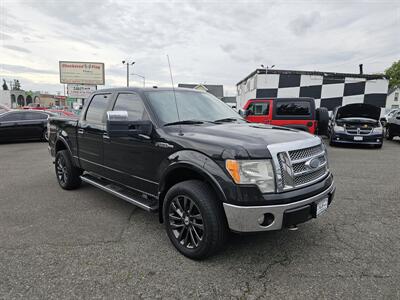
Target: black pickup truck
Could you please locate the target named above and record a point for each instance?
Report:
(191, 158)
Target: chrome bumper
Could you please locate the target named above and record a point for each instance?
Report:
(245, 218)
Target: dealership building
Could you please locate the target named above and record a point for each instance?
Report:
(329, 89)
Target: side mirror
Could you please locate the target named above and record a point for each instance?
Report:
(244, 112)
(118, 125)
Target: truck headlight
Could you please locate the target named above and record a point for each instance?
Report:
(377, 130)
(258, 172)
(337, 128)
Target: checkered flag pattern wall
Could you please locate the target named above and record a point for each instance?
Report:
(328, 91)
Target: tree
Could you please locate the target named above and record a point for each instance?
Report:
(394, 74)
(5, 86)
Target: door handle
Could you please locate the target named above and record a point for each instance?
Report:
(81, 131)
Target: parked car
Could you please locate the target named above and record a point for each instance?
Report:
(393, 126)
(188, 156)
(388, 115)
(16, 125)
(297, 113)
(63, 113)
(356, 124)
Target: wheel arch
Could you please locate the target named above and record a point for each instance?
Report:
(183, 171)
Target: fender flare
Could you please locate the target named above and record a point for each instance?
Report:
(204, 173)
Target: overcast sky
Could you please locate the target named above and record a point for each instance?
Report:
(215, 42)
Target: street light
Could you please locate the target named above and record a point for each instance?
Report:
(144, 79)
(128, 63)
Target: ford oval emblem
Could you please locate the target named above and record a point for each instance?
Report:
(313, 163)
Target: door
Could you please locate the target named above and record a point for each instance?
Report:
(259, 111)
(9, 129)
(33, 124)
(128, 159)
(90, 133)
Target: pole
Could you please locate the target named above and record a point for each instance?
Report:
(127, 74)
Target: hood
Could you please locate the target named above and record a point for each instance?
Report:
(236, 140)
(358, 110)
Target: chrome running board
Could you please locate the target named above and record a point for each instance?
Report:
(122, 192)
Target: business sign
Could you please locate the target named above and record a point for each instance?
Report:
(81, 72)
(80, 90)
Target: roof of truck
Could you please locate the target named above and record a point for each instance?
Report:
(140, 90)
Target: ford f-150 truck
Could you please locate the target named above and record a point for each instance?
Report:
(189, 157)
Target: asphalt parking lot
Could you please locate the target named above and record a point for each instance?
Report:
(89, 244)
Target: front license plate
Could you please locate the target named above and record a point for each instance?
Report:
(358, 138)
(322, 205)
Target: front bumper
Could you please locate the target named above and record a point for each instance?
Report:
(345, 138)
(245, 218)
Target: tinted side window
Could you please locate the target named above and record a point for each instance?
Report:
(133, 105)
(34, 116)
(97, 107)
(293, 108)
(258, 108)
(11, 117)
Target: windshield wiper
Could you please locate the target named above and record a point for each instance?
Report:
(226, 120)
(184, 122)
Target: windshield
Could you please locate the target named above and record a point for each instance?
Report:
(195, 106)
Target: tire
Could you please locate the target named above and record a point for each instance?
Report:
(389, 134)
(202, 218)
(45, 135)
(68, 176)
(322, 116)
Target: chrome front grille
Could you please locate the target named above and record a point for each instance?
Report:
(302, 167)
(359, 131)
(305, 153)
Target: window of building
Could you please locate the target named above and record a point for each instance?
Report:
(396, 96)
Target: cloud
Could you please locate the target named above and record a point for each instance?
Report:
(4, 36)
(214, 41)
(304, 23)
(23, 69)
(16, 48)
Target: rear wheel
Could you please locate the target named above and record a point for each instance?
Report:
(68, 176)
(194, 221)
(322, 116)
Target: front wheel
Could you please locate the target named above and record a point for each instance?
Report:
(68, 176)
(194, 219)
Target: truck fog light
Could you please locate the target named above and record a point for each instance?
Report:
(266, 219)
(378, 140)
(337, 139)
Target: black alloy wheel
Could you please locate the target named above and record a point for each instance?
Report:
(68, 176)
(194, 219)
(186, 221)
(62, 171)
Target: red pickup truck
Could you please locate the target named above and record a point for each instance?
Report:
(297, 113)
